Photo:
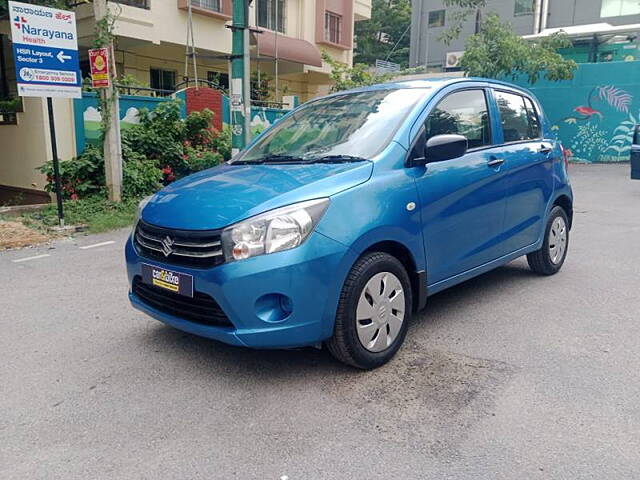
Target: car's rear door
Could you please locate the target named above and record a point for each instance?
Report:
(528, 156)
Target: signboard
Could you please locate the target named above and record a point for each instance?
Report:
(236, 95)
(45, 51)
(99, 63)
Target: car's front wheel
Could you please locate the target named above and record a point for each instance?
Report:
(550, 258)
(373, 312)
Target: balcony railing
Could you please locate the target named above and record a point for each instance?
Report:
(135, 3)
(213, 5)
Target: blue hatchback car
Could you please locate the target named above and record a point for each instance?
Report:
(338, 222)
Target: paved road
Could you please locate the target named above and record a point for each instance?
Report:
(509, 376)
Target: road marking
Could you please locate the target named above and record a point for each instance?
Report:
(26, 259)
(96, 245)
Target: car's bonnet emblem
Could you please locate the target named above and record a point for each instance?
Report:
(167, 244)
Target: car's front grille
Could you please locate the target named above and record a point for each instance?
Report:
(200, 309)
(192, 248)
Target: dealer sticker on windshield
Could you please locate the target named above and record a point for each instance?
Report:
(176, 282)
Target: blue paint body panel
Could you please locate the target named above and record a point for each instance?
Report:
(469, 217)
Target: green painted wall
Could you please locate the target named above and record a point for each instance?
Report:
(593, 114)
(607, 52)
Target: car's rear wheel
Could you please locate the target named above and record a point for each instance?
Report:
(550, 258)
(373, 312)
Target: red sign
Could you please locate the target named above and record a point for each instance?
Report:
(99, 62)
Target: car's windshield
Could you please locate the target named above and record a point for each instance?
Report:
(347, 127)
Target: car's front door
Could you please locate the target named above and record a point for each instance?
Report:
(462, 200)
(528, 156)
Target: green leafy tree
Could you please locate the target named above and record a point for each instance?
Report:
(388, 28)
(345, 78)
(496, 51)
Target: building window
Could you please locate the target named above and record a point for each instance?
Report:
(4, 77)
(618, 8)
(523, 7)
(332, 27)
(271, 14)
(85, 69)
(134, 3)
(436, 18)
(162, 79)
(215, 5)
(218, 80)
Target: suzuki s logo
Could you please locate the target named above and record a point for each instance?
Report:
(167, 246)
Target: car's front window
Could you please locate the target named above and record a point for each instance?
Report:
(350, 126)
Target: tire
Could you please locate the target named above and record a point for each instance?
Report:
(368, 343)
(550, 258)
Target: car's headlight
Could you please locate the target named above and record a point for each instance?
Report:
(273, 231)
(141, 206)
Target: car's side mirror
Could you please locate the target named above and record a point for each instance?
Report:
(437, 149)
(445, 147)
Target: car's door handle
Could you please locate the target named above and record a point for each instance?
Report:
(545, 149)
(495, 162)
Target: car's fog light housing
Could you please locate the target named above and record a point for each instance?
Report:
(273, 307)
(274, 231)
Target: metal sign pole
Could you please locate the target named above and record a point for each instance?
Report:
(56, 164)
(240, 71)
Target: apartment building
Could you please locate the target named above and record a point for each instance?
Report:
(602, 30)
(152, 35)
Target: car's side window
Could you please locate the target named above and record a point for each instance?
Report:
(463, 113)
(534, 119)
(519, 119)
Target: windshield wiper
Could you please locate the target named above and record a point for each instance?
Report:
(270, 159)
(337, 159)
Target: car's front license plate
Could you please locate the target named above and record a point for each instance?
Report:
(176, 282)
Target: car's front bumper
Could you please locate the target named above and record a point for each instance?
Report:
(311, 276)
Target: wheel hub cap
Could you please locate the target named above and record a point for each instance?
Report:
(380, 312)
(557, 240)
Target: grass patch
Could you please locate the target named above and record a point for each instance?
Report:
(98, 213)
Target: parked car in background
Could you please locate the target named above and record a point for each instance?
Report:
(635, 154)
(335, 225)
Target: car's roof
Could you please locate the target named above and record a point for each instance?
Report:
(432, 83)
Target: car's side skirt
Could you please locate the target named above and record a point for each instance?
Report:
(474, 272)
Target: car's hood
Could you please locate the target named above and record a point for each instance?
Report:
(223, 195)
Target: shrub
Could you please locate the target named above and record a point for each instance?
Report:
(140, 176)
(198, 159)
(157, 151)
(79, 177)
(222, 142)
